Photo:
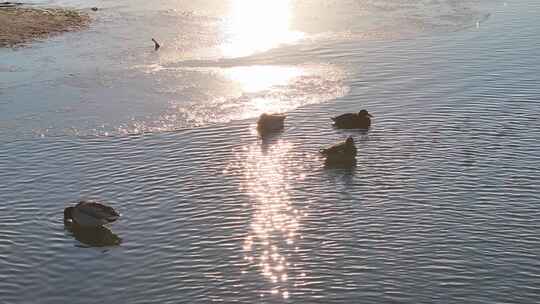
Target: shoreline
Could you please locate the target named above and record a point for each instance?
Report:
(20, 24)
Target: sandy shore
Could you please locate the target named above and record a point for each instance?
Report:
(20, 24)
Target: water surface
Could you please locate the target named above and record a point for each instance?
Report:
(442, 206)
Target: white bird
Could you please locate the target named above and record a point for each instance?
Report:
(270, 122)
(90, 214)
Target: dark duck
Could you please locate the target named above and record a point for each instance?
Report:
(270, 123)
(344, 151)
(90, 214)
(360, 120)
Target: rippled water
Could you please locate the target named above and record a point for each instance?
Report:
(442, 207)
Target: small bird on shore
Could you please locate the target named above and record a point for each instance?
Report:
(270, 122)
(344, 151)
(156, 44)
(360, 120)
(90, 214)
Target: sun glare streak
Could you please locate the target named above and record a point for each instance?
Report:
(274, 89)
(275, 221)
(263, 87)
(257, 25)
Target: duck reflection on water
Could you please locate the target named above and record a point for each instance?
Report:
(348, 165)
(269, 140)
(100, 236)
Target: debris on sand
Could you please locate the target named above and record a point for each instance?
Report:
(156, 44)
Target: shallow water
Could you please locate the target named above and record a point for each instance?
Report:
(442, 206)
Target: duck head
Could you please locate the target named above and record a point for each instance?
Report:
(349, 141)
(68, 214)
(364, 113)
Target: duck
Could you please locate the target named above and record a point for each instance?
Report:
(270, 122)
(344, 151)
(90, 214)
(360, 120)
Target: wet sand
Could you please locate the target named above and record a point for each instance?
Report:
(20, 24)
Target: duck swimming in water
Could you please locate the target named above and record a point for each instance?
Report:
(344, 151)
(360, 120)
(90, 214)
(270, 122)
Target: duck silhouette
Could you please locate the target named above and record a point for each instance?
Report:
(343, 152)
(360, 120)
(269, 123)
(90, 214)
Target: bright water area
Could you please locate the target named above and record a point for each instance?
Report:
(442, 207)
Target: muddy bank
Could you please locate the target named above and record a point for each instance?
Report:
(20, 24)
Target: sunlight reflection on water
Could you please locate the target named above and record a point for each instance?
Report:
(275, 222)
(240, 92)
(258, 78)
(255, 26)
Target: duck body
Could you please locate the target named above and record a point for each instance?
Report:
(270, 122)
(90, 214)
(360, 120)
(341, 152)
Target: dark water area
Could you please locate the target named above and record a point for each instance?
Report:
(442, 206)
